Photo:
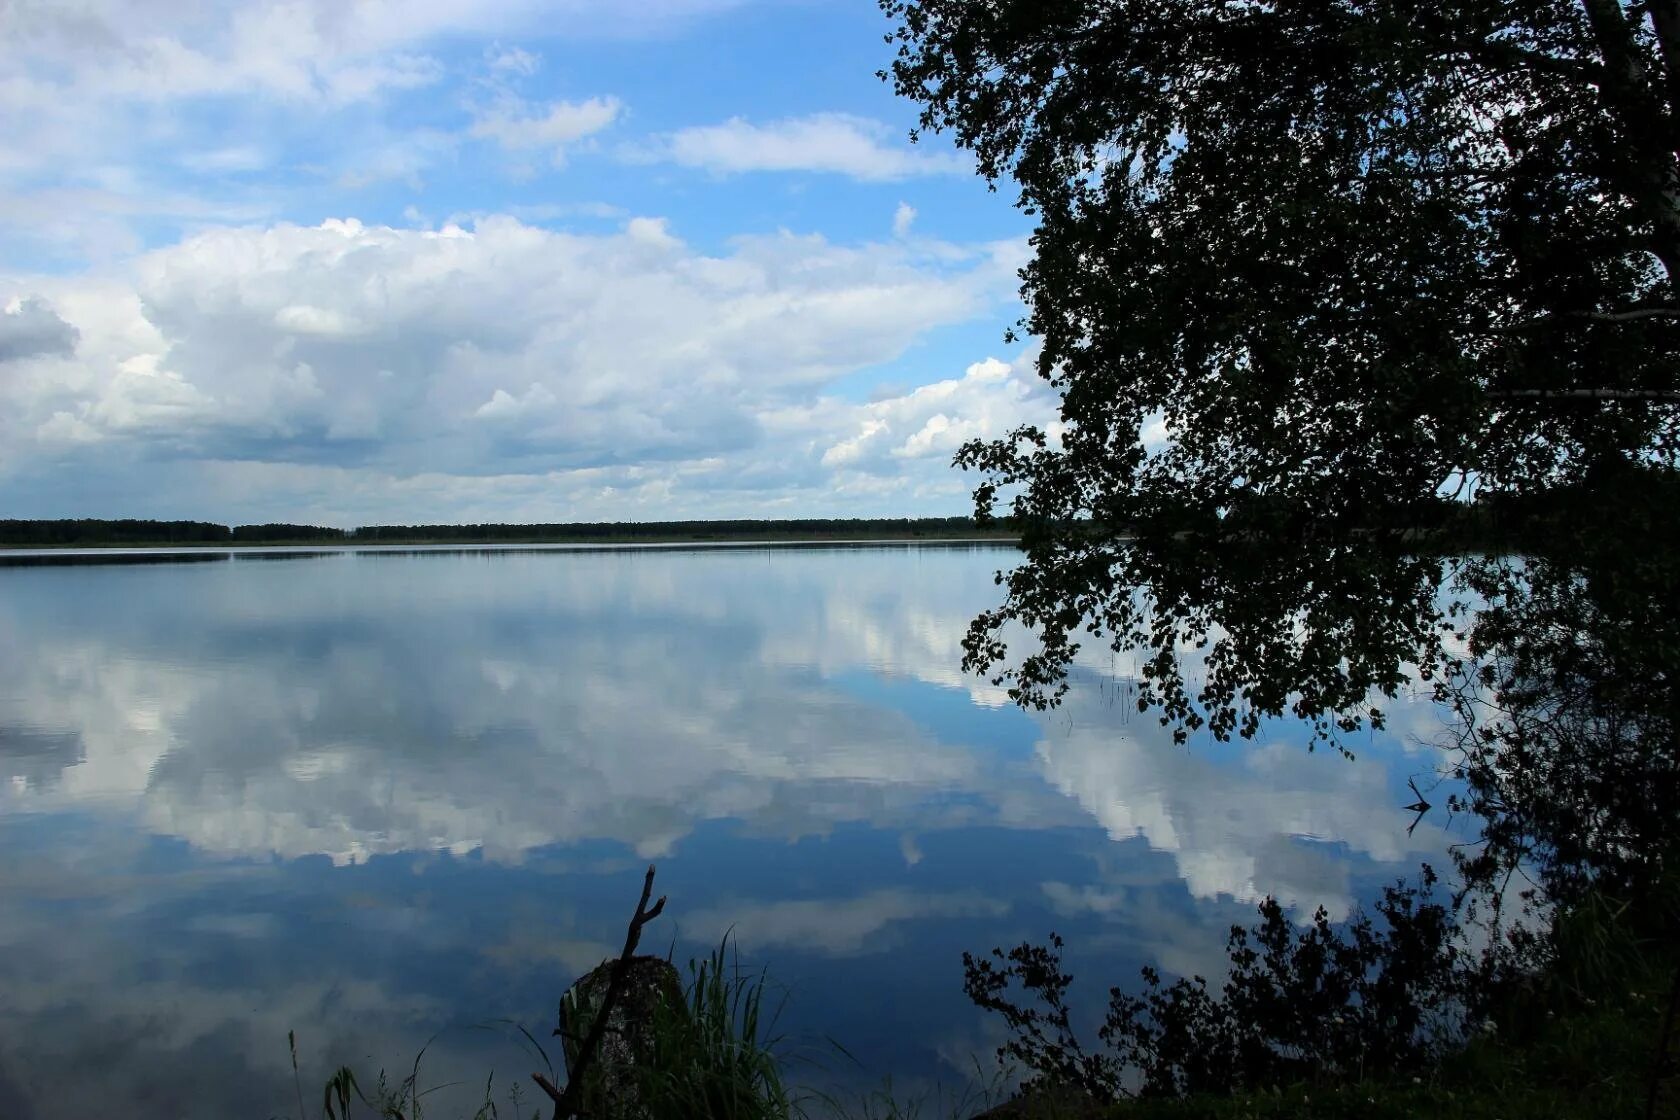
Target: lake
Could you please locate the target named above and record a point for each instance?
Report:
(381, 798)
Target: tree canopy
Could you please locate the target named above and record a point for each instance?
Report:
(1300, 269)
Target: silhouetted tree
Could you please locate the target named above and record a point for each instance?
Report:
(1300, 268)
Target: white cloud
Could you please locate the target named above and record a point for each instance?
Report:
(931, 422)
(833, 143)
(157, 90)
(302, 318)
(518, 126)
(140, 397)
(651, 231)
(504, 406)
(625, 367)
(403, 157)
(513, 60)
(903, 218)
(314, 50)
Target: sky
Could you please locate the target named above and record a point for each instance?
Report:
(359, 261)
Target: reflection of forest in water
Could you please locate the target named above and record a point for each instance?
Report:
(365, 796)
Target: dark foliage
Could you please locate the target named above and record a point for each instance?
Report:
(250, 534)
(1322, 1004)
(1568, 704)
(1300, 270)
(90, 531)
(1334, 258)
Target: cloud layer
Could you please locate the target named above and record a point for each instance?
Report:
(626, 366)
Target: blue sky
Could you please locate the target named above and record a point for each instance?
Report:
(455, 261)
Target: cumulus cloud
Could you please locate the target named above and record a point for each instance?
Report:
(30, 328)
(830, 143)
(501, 349)
(934, 420)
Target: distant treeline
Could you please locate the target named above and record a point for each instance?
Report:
(92, 532)
(678, 530)
(126, 531)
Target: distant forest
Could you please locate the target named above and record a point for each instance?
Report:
(89, 532)
(1499, 522)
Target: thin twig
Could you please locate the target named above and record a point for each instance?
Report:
(566, 1102)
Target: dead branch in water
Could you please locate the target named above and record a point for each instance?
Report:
(566, 1101)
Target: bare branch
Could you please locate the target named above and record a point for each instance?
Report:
(567, 1102)
(548, 1087)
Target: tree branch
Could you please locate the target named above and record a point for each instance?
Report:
(1633, 316)
(1665, 20)
(566, 1102)
(1498, 52)
(1660, 396)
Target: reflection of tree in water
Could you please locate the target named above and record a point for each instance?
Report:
(1304, 274)
(1567, 699)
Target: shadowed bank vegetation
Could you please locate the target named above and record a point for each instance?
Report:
(1382, 1017)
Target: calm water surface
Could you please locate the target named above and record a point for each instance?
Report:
(380, 797)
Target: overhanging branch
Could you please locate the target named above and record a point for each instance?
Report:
(1496, 52)
(1591, 317)
(1658, 396)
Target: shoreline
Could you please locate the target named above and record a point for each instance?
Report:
(548, 544)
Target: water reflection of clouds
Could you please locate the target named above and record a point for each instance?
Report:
(469, 728)
(1270, 819)
(131, 975)
(835, 926)
(493, 741)
(381, 705)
